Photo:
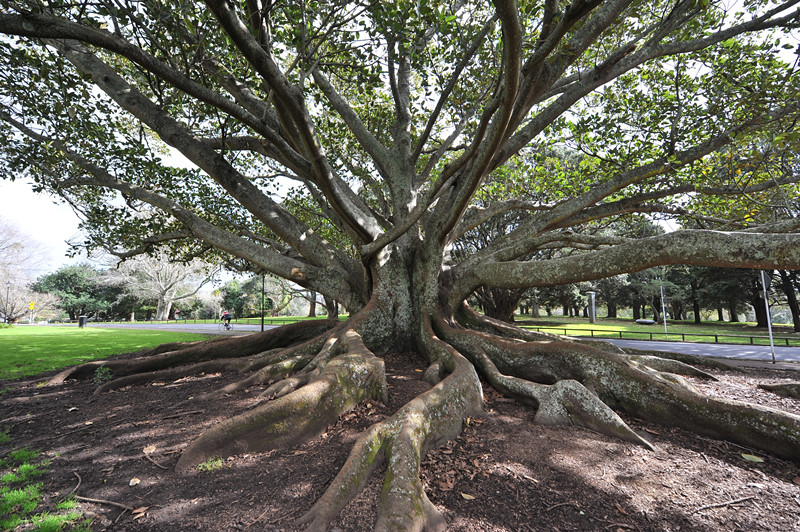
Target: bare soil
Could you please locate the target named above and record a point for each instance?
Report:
(502, 474)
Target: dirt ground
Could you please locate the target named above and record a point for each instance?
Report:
(502, 474)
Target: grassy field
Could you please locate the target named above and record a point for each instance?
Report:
(710, 331)
(31, 350)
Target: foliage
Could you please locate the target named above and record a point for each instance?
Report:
(212, 464)
(79, 290)
(102, 375)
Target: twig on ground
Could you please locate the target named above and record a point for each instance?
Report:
(721, 504)
(79, 483)
(179, 414)
(123, 512)
(560, 504)
(259, 518)
(154, 462)
(103, 501)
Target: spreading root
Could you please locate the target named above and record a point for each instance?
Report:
(316, 371)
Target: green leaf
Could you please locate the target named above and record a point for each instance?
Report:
(752, 458)
(467, 496)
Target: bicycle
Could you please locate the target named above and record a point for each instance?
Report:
(226, 325)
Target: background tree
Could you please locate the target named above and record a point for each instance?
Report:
(391, 118)
(79, 289)
(19, 258)
(789, 284)
(611, 292)
(155, 277)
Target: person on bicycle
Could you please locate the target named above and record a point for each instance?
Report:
(226, 319)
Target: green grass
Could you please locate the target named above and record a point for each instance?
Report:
(723, 332)
(31, 350)
(212, 464)
(20, 497)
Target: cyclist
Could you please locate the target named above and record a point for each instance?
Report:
(226, 319)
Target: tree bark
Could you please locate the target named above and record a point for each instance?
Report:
(788, 286)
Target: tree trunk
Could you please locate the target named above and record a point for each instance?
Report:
(760, 311)
(316, 370)
(695, 302)
(162, 309)
(788, 283)
(312, 305)
(733, 313)
(637, 314)
(611, 307)
(720, 315)
(332, 307)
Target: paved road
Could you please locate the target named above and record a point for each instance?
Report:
(743, 352)
(740, 352)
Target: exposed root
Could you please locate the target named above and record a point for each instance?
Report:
(640, 391)
(479, 322)
(670, 366)
(335, 388)
(786, 389)
(172, 374)
(226, 347)
(401, 440)
(280, 364)
(566, 402)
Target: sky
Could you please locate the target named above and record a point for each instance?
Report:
(39, 218)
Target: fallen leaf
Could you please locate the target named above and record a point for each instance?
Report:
(134, 481)
(652, 432)
(150, 449)
(445, 485)
(796, 480)
(467, 496)
(620, 508)
(88, 423)
(137, 516)
(140, 510)
(418, 370)
(752, 458)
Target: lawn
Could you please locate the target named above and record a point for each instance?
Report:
(31, 350)
(708, 331)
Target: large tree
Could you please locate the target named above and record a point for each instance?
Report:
(79, 289)
(390, 117)
(156, 277)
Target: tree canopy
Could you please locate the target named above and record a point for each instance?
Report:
(404, 126)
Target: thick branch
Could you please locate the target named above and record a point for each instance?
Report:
(696, 247)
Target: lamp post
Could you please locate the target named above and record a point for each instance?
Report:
(8, 289)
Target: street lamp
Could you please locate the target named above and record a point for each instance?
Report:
(8, 289)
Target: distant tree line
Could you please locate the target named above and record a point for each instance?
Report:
(691, 294)
(163, 291)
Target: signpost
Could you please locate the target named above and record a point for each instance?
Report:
(30, 306)
(766, 280)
